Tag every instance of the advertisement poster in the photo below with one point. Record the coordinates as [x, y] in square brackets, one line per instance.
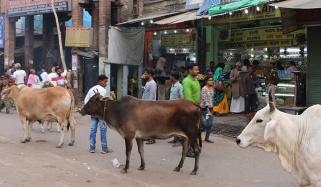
[1, 32]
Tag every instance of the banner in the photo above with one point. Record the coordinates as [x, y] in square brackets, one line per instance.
[178, 40]
[79, 37]
[263, 34]
[32, 7]
[266, 37]
[1, 31]
[193, 4]
[266, 12]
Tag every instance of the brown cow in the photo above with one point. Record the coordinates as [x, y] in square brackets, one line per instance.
[134, 118]
[47, 104]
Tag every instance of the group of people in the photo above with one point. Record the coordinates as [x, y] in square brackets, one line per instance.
[15, 75]
[20, 77]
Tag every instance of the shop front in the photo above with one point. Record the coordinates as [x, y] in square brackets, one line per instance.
[169, 48]
[256, 34]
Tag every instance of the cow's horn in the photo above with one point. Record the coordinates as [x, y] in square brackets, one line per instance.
[271, 102]
[272, 106]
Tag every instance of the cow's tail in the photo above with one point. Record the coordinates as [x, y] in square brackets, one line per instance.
[71, 118]
[201, 123]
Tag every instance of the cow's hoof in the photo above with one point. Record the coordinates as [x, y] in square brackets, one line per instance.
[194, 173]
[141, 168]
[59, 146]
[28, 139]
[123, 171]
[178, 169]
[71, 143]
[24, 141]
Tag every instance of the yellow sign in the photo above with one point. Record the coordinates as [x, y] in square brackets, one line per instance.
[177, 40]
[258, 44]
[262, 34]
[267, 37]
[266, 12]
[79, 37]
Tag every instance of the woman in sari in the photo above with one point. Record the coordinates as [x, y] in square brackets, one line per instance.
[220, 102]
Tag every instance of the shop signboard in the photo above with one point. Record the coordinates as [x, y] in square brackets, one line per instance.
[177, 40]
[79, 37]
[1, 31]
[193, 4]
[32, 7]
[266, 37]
[263, 34]
[258, 44]
[266, 12]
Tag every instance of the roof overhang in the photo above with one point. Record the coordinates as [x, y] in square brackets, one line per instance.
[299, 4]
[180, 18]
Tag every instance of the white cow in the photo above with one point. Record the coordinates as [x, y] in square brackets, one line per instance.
[296, 140]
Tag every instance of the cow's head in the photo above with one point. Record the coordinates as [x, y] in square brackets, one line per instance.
[9, 92]
[96, 106]
[254, 133]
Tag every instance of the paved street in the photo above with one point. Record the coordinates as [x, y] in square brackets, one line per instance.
[39, 163]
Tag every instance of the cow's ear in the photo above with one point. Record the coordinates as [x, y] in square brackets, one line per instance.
[269, 130]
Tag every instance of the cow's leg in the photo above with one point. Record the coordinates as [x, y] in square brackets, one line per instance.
[72, 134]
[184, 152]
[140, 145]
[42, 127]
[62, 135]
[25, 130]
[29, 130]
[129, 146]
[197, 151]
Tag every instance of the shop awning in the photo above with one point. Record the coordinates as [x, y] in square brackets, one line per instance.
[299, 4]
[180, 18]
[230, 7]
[140, 19]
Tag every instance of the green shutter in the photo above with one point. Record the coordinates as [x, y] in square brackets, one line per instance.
[314, 66]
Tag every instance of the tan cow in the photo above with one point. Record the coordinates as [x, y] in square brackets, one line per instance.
[47, 104]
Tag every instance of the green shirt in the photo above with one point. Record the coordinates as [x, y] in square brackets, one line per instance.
[192, 89]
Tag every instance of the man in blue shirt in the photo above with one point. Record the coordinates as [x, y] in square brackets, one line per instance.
[176, 93]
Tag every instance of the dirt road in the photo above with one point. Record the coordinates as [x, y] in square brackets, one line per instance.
[40, 163]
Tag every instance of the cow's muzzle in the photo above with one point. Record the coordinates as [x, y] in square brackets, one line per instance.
[238, 141]
[82, 112]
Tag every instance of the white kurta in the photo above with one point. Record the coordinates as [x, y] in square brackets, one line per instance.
[238, 105]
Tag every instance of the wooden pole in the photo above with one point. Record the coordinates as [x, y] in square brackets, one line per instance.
[62, 55]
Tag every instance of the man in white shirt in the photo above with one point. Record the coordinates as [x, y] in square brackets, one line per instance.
[53, 74]
[150, 90]
[19, 75]
[101, 88]
[44, 76]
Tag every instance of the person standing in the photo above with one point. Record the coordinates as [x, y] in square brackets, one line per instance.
[53, 74]
[176, 93]
[95, 122]
[191, 86]
[220, 101]
[44, 76]
[19, 75]
[272, 80]
[292, 69]
[192, 91]
[252, 102]
[206, 104]
[33, 78]
[238, 100]
[150, 90]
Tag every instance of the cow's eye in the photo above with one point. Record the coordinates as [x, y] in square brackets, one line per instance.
[259, 121]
